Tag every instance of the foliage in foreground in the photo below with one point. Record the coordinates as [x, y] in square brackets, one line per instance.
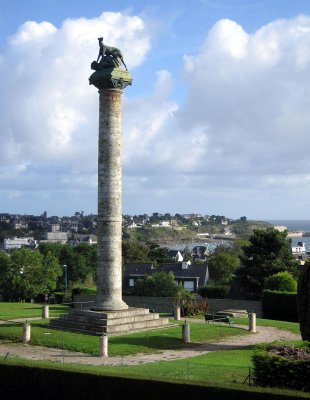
[274, 370]
[279, 305]
[267, 253]
[303, 302]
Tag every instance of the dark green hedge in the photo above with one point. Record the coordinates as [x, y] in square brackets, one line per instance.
[214, 292]
[49, 384]
[279, 305]
[272, 370]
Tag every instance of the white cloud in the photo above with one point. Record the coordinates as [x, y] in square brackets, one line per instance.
[48, 110]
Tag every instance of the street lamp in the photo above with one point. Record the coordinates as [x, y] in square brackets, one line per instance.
[66, 277]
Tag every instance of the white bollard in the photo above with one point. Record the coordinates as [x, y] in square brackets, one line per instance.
[45, 312]
[177, 313]
[26, 332]
[103, 349]
[186, 333]
[252, 322]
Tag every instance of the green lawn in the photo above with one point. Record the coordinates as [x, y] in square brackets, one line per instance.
[223, 368]
[142, 342]
[198, 370]
[28, 310]
[284, 325]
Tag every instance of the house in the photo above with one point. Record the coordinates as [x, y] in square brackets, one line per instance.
[176, 255]
[300, 248]
[18, 243]
[191, 276]
[199, 252]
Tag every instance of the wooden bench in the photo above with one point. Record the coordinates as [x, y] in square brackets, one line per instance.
[219, 318]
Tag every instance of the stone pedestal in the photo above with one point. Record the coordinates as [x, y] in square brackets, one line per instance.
[177, 313]
[186, 333]
[103, 347]
[45, 312]
[26, 333]
[252, 322]
[109, 322]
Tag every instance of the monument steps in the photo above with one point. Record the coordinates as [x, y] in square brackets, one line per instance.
[110, 323]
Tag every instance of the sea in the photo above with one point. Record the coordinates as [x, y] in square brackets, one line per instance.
[292, 226]
[297, 225]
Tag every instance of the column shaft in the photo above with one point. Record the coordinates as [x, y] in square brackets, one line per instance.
[109, 253]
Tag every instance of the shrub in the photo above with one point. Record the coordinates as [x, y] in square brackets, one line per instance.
[303, 302]
[282, 281]
[214, 292]
[83, 290]
[274, 370]
[158, 284]
[279, 305]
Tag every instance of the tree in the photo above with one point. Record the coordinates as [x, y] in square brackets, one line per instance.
[268, 252]
[303, 302]
[27, 274]
[222, 265]
[134, 252]
[158, 284]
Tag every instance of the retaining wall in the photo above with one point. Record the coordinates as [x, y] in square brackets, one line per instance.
[166, 304]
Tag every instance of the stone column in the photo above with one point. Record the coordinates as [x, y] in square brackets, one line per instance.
[109, 253]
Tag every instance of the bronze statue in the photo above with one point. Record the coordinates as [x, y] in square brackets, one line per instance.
[107, 72]
[109, 56]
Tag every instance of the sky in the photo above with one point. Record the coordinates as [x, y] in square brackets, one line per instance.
[217, 120]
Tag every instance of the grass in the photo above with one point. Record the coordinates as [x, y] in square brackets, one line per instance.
[174, 371]
[225, 368]
[283, 325]
[10, 311]
[142, 342]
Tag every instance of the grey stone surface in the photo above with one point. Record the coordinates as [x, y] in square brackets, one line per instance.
[166, 304]
[110, 322]
[109, 253]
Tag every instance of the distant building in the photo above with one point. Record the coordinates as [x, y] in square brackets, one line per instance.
[55, 237]
[54, 228]
[18, 243]
[300, 248]
[190, 276]
[280, 228]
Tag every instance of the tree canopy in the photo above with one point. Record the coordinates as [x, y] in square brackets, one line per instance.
[223, 263]
[26, 274]
[267, 253]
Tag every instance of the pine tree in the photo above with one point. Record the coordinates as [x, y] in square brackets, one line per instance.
[303, 302]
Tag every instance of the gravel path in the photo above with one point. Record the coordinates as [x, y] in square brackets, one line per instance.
[263, 335]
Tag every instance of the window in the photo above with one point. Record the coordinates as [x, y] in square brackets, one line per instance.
[131, 282]
[189, 285]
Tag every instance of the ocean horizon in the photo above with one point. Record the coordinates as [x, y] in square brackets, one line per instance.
[292, 224]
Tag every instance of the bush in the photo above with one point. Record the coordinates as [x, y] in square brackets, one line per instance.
[83, 290]
[282, 281]
[214, 292]
[159, 284]
[303, 302]
[273, 370]
[279, 305]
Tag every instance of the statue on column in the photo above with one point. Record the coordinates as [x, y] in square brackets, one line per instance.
[108, 73]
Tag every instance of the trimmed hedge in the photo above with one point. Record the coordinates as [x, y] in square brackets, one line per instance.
[282, 281]
[279, 305]
[275, 371]
[49, 384]
[214, 292]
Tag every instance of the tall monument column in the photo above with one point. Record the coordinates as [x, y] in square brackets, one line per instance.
[109, 253]
[110, 315]
[110, 80]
